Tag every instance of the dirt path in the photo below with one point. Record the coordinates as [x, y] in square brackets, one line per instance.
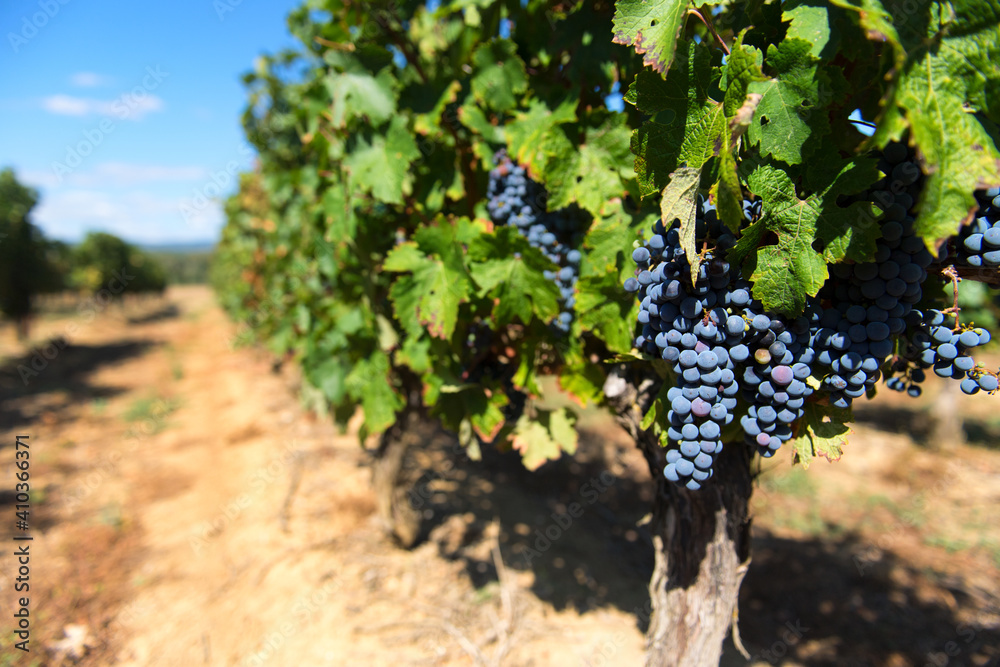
[188, 510]
[195, 514]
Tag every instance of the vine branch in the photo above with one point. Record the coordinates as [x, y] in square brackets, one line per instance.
[711, 28]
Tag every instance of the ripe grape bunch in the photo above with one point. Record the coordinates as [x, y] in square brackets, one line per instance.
[979, 243]
[724, 347]
[517, 200]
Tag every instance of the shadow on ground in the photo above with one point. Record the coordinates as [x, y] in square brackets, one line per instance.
[572, 521]
[58, 368]
[167, 312]
[838, 602]
[919, 425]
[846, 603]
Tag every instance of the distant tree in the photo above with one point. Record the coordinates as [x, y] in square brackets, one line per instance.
[150, 276]
[25, 269]
[57, 266]
[104, 263]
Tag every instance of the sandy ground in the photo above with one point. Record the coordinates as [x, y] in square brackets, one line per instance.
[188, 509]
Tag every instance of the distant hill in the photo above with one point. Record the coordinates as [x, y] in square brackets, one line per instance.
[185, 263]
[182, 248]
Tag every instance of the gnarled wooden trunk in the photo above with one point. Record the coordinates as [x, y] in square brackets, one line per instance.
[399, 517]
[702, 540]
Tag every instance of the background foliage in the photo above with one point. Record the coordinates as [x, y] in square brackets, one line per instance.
[362, 248]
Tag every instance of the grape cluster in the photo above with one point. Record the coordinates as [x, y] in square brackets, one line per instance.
[515, 199]
[929, 344]
[718, 339]
[724, 347]
[978, 244]
[869, 301]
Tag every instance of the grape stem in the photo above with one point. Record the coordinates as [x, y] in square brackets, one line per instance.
[711, 28]
[952, 274]
[986, 275]
[338, 46]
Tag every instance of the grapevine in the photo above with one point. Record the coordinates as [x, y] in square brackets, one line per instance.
[436, 227]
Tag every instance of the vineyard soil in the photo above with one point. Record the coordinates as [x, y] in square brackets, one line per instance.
[190, 510]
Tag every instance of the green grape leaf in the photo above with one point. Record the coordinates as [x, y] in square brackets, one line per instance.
[879, 23]
[437, 284]
[532, 131]
[369, 383]
[381, 165]
[517, 283]
[787, 272]
[355, 94]
[582, 380]
[430, 122]
[480, 406]
[651, 27]
[595, 171]
[329, 375]
[742, 69]
[938, 91]
[500, 76]
[388, 339]
[810, 23]
[415, 353]
[728, 193]
[602, 305]
[340, 218]
[945, 87]
[822, 432]
[656, 414]
[545, 437]
[687, 125]
[791, 117]
[473, 117]
[679, 202]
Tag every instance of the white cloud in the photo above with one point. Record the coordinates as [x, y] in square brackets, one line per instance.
[114, 175]
[138, 217]
[125, 107]
[64, 105]
[89, 80]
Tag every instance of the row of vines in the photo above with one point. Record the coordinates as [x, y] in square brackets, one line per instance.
[457, 200]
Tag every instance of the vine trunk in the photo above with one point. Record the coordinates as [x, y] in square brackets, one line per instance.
[701, 538]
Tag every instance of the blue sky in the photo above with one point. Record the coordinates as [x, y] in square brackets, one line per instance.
[125, 115]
